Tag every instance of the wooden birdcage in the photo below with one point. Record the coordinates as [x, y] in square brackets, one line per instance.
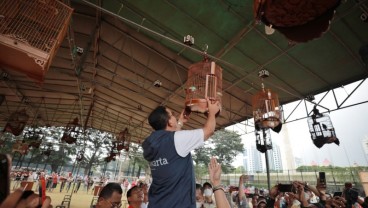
[72, 132]
[123, 140]
[204, 81]
[30, 33]
[20, 147]
[266, 109]
[16, 123]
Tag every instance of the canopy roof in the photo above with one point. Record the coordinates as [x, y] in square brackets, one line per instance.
[110, 86]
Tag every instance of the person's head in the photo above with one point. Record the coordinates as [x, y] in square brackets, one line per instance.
[207, 189]
[135, 195]
[261, 202]
[162, 117]
[199, 192]
[110, 196]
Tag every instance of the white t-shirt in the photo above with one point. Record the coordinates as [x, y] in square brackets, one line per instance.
[188, 140]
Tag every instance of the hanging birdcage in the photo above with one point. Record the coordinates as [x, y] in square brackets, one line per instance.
[204, 81]
[123, 140]
[33, 136]
[30, 33]
[266, 110]
[112, 156]
[321, 129]
[20, 147]
[16, 122]
[72, 132]
[80, 156]
[46, 150]
[264, 142]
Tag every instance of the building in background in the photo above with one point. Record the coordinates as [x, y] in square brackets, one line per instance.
[252, 159]
[274, 158]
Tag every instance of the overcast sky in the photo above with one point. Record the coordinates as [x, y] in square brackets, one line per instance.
[351, 126]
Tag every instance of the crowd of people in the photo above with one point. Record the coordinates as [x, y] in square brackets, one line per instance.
[67, 181]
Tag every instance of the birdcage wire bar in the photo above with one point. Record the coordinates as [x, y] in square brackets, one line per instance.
[204, 81]
[36, 23]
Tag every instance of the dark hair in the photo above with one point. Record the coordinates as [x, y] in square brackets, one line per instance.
[158, 118]
[109, 189]
[129, 192]
[207, 184]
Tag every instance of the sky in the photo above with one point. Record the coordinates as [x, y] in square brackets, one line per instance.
[351, 127]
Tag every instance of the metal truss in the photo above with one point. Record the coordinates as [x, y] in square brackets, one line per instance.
[310, 102]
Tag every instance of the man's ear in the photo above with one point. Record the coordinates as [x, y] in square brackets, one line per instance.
[170, 123]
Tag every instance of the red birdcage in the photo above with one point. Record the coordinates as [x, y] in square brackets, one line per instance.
[204, 81]
[266, 109]
[123, 140]
[21, 147]
[16, 123]
[30, 33]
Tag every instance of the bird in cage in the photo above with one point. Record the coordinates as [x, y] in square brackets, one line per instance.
[204, 81]
[266, 110]
[321, 129]
[263, 143]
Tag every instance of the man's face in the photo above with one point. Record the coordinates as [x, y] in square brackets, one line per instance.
[172, 119]
[113, 202]
[136, 196]
[262, 205]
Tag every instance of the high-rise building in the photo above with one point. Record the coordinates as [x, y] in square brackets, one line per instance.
[252, 159]
[274, 158]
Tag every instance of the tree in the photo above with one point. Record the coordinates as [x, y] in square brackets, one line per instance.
[225, 145]
[136, 155]
[98, 144]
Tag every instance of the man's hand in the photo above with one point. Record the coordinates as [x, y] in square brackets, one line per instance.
[183, 118]
[213, 107]
[214, 170]
[15, 199]
[274, 192]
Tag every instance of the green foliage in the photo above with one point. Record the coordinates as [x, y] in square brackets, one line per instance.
[136, 156]
[224, 145]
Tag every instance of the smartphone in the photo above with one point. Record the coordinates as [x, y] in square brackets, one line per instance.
[250, 195]
[5, 164]
[322, 179]
[337, 193]
[285, 187]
